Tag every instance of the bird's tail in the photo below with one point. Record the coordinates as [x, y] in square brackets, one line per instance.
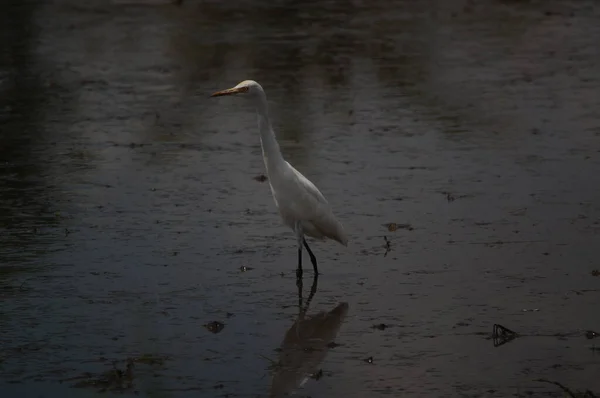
[341, 235]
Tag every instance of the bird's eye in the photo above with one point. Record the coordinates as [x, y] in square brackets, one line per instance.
[244, 89]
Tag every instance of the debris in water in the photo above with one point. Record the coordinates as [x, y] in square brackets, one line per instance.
[317, 375]
[567, 391]
[368, 360]
[261, 178]
[500, 330]
[460, 324]
[149, 359]
[215, 326]
[381, 326]
[392, 226]
[114, 379]
[387, 246]
[502, 335]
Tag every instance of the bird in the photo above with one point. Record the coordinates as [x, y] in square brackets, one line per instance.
[301, 206]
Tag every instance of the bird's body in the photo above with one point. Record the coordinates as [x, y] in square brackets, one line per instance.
[299, 200]
[301, 205]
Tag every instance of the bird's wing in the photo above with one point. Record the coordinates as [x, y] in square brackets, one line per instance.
[308, 186]
[298, 199]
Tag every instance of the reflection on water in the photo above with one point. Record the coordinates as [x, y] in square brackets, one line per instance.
[305, 345]
[26, 207]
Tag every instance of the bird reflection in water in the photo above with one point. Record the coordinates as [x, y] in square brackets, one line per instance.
[305, 345]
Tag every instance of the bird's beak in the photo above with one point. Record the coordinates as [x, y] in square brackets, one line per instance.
[230, 91]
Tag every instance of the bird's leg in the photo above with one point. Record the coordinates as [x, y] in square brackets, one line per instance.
[300, 237]
[313, 291]
[313, 259]
[299, 269]
[299, 285]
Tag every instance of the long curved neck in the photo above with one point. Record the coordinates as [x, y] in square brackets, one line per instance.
[270, 147]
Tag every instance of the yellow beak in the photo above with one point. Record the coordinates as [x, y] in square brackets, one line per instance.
[230, 91]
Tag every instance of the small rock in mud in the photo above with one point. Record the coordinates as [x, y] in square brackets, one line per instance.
[214, 326]
[392, 226]
[261, 178]
[380, 326]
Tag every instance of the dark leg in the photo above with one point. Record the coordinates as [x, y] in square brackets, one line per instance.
[313, 291]
[299, 270]
[313, 259]
[299, 285]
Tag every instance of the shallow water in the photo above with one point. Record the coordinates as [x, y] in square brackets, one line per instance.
[128, 204]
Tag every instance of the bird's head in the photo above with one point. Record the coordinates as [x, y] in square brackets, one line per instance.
[249, 88]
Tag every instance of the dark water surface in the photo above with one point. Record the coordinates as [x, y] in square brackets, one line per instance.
[128, 204]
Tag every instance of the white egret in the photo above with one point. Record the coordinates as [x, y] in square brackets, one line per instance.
[301, 205]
